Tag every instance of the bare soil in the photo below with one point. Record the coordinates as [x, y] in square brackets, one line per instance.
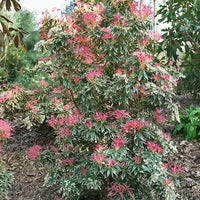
[28, 181]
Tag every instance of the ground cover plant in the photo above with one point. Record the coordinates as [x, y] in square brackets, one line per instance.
[104, 105]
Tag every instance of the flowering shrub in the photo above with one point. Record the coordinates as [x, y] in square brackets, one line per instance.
[5, 176]
[106, 104]
[12, 99]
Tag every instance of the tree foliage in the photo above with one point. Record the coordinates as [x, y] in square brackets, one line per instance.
[17, 59]
[182, 37]
[183, 17]
[26, 19]
[8, 32]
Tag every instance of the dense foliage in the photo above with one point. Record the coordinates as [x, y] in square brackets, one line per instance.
[104, 105]
[181, 39]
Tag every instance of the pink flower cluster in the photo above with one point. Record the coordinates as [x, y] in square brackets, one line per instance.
[85, 7]
[64, 132]
[89, 124]
[120, 71]
[108, 36]
[99, 158]
[57, 90]
[154, 35]
[5, 130]
[99, 8]
[154, 147]
[157, 115]
[5, 85]
[91, 19]
[45, 58]
[83, 40]
[120, 189]
[34, 151]
[143, 57]
[76, 79]
[11, 94]
[157, 76]
[171, 62]
[137, 159]
[31, 104]
[107, 30]
[99, 116]
[166, 77]
[167, 181]
[44, 83]
[140, 13]
[118, 142]
[141, 90]
[70, 161]
[167, 136]
[119, 114]
[176, 169]
[134, 8]
[85, 53]
[133, 126]
[84, 170]
[56, 102]
[92, 76]
[99, 148]
[68, 106]
[145, 41]
[68, 120]
[56, 123]
[119, 20]
[111, 162]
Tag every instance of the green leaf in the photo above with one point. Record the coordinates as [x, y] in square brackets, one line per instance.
[183, 28]
[191, 133]
[140, 76]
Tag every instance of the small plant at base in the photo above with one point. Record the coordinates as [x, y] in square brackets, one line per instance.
[190, 123]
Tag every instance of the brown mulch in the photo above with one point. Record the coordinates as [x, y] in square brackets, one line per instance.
[28, 181]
